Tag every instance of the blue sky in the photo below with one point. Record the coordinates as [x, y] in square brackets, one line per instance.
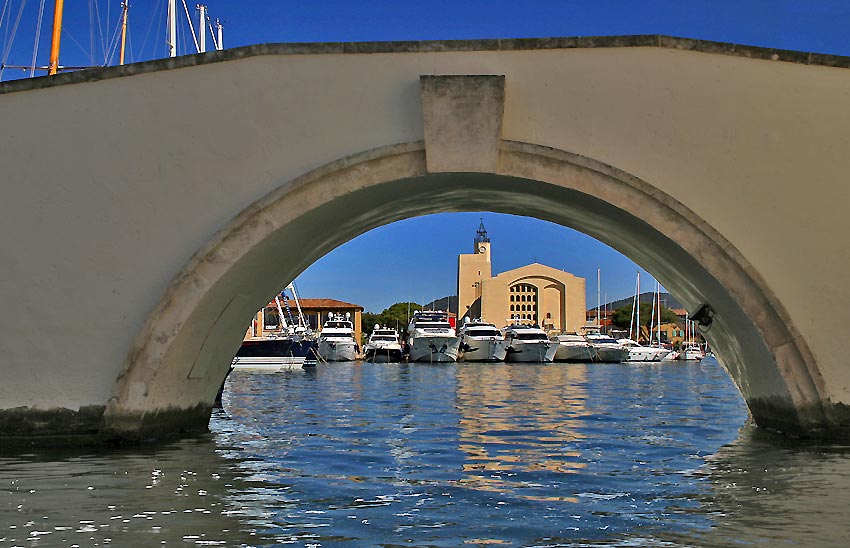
[819, 26]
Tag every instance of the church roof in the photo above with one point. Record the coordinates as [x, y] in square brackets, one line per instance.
[536, 269]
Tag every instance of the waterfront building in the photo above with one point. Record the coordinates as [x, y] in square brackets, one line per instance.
[315, 312]
[535, 293]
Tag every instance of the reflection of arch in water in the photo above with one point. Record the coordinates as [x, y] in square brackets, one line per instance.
[765, 491]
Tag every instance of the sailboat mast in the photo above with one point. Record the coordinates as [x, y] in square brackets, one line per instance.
[658, 291]
[172, 28]
[124, 7]
[53, 67]
[634, 306]
[220, 43]
[202, 29]
[637, 314]
[598, 278]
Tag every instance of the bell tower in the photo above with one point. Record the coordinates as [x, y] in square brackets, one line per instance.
[473, 273]
[482, 242]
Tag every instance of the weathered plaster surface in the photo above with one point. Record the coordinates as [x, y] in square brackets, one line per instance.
[462, 116]
[706, 169]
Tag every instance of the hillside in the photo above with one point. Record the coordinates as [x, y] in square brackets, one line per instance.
[445, 303]
[667, 300]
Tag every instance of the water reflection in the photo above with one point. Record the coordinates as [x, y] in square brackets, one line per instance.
[175, 495]
[510, 427]
[447, 455]
[766, 489]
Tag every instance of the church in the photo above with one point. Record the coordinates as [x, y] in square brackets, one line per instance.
[531, 294]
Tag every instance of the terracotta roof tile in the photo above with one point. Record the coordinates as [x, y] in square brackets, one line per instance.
[322, 304]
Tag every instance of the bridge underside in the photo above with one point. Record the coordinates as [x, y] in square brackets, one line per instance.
[141, 371]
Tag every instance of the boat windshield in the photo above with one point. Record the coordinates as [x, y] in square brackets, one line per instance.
[484, 333]
[343, 325]
[529, 336]
[441, 325]
[383, 338]
[326, 335]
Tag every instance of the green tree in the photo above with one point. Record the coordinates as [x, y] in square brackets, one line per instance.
[395, 317]
[622, 317]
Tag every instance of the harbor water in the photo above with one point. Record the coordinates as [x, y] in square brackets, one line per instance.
[360, 454]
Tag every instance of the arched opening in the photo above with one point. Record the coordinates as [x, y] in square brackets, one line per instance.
[180, 358]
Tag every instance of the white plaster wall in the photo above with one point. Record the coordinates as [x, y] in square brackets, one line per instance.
[108, 188]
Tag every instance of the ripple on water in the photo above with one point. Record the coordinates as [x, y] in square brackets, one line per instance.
[449, 455]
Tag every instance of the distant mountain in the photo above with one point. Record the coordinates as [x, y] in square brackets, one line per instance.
[667, 300]
[446, 303]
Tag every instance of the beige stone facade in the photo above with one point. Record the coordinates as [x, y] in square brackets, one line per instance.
[534, 293]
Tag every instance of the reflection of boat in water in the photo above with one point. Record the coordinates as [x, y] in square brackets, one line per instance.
[481, 342]
[572, 348]
[529, 343]
[383, 346]
[336, 340]
[291, 344]
[431, 338]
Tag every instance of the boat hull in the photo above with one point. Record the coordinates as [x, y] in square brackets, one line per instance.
[434, 349]
[573, 353]
[268, 353]
[483, 350]
[383, 354]
[532, 352]
[647, 354]
[605, 354]
[338, 351]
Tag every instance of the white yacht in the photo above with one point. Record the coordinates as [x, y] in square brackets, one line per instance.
[691, 351]
[572, 348]
[606, 349]
[641, 353]
[529, 343]
[383, 346]
[481, 342]
[431, 338]
[336, 340]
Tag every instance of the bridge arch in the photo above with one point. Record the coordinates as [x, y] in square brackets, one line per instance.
[180, 357]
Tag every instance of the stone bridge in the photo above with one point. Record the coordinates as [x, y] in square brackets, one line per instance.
[149, 210]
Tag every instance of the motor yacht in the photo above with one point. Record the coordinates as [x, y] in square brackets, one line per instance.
[691, 352]
[383, 346]
[606, 349]
[481, 342]
[292, 344]
[431, 338]
[572, 348]
[528, 343]
[641, 353]
[336, 339]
